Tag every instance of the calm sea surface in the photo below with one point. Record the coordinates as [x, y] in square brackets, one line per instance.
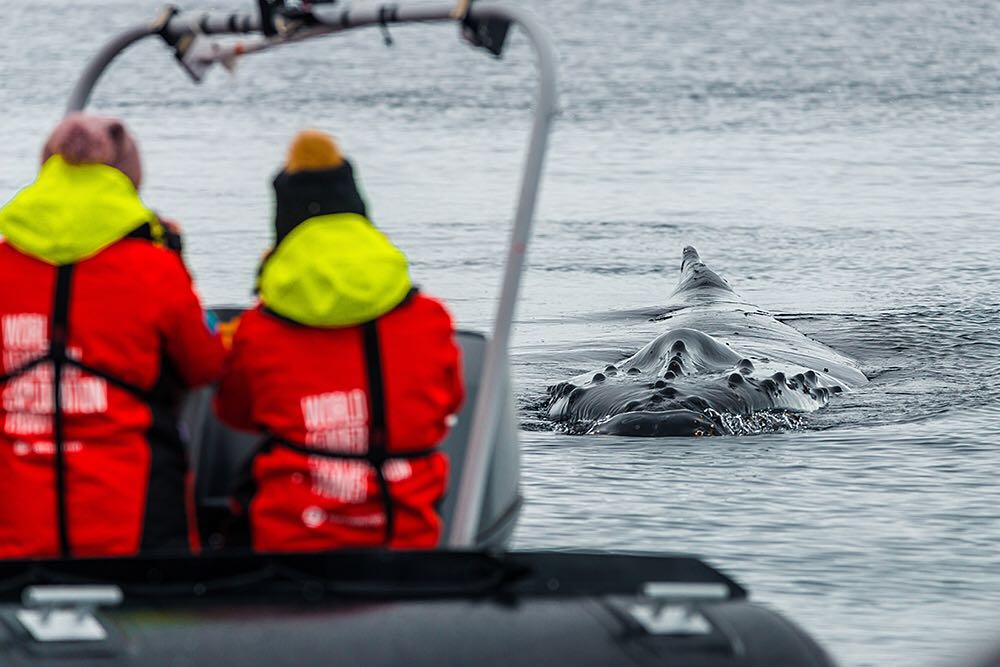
[838, 162]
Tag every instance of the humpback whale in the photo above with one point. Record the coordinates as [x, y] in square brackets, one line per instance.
[723, 367]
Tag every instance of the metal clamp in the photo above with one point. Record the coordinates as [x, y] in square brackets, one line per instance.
[66, 613]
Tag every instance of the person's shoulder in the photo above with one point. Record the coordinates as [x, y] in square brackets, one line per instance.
[252, 318]
[261, 337]
[429, 310]
[9, 254]
[149, 258]
[255, 324]
[428, 303]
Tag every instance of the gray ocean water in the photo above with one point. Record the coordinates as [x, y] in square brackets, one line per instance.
[838, 162]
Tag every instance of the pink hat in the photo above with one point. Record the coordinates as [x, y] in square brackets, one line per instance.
[83, 138]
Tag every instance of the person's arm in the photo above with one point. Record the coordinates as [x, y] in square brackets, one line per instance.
[453, 370]
[450, 358]
[193, 348]
[233, 400]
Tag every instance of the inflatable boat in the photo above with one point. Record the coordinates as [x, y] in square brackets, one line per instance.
[469, 602]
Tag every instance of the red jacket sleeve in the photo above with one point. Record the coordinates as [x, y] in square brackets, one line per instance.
[451, 360]
[454, 374]
[233, 400]
[195, 350]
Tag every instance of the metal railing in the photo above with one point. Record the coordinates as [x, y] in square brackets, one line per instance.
[188, 35]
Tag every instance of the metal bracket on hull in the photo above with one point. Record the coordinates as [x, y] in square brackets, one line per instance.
[66, 613]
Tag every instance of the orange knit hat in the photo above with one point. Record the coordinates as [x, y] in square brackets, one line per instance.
[312, 150]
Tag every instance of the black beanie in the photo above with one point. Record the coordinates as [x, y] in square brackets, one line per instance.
[306, 194]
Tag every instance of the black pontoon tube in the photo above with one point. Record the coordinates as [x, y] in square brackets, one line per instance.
[174, 27]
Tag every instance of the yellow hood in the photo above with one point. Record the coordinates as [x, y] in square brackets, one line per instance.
[72, 212]
[334, 271]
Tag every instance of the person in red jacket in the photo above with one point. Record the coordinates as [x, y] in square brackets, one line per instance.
[100, 331]
[349, 371]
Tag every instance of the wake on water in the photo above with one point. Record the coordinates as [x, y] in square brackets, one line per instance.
[754, 423]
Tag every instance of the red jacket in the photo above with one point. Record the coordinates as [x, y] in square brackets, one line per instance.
[132, 314]
[310, 386]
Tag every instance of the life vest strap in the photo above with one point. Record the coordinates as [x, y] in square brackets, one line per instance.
[377, 431]
[137, 391]
[306, 450]
[58, 339]
[26, 368]
[143, 394]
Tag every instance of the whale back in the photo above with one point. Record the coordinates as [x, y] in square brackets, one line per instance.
[723, 366]
[698, 280]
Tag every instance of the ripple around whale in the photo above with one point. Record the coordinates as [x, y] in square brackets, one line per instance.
[725, 367]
